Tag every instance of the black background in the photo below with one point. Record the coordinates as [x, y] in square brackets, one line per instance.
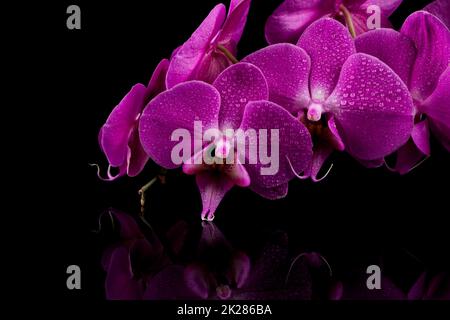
[353, 217]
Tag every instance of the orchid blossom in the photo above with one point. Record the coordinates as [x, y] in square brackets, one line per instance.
[238, 101]
[347, 100]
[292, 17]
[119, 137]
[421, 58]
[212, 47]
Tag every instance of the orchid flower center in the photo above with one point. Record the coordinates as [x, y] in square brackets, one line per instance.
[223, 148]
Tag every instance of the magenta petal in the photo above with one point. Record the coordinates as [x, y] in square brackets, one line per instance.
[408, 156]
[274, 193]
[432, 40]
[189, 56]
[417, 291]
[240, 268]
[129, 229]
[372, 108]
[157, 81]
[291, 18]
[440, 9]
[119, 283]
[372, 163]
[421, 136]
[137, 155]
[212, 65]
[320, 155]
[360, 21]
[286, 68]
[168, 284]
[294, 143]
[116, 131]
[212, 190]
[177, 108]
[197, 281]
[376, 42]
[238, 85]
[437, 108]
[329, 44]
[234, 24]
[336, 139]
[360, 15]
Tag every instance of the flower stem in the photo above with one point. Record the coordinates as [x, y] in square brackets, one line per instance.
[348, 20]
[142, 193]
[227, 53]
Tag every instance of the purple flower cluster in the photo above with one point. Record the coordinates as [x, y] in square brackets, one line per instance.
[381, 93]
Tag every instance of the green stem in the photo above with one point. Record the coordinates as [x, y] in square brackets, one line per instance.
[142, 193]
[348, 20]
[228, 54]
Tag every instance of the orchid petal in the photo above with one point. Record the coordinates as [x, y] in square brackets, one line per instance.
[177, 108]
[291, 18]
[329, 44]
[432, 40]
[113, 136]
[437, 108]
[234, 25]
[274, 193]
[286, 68]
[372, 108]
[320, 155]
[157, 83]
[212, 190]
[189, 56]
[421, 136]
[360, 14]
[440, 9]
[408, 157]
[238, 85]
[294, 142]
[400, 60]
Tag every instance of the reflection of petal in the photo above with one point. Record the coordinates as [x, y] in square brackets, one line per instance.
[119, 284]
[168, 284]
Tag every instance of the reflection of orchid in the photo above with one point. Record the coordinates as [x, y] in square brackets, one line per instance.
[134, 265]
[421, 58]
[236, 100]
[346, 99]
[222, 272]
[426, 287]
[292, 17]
